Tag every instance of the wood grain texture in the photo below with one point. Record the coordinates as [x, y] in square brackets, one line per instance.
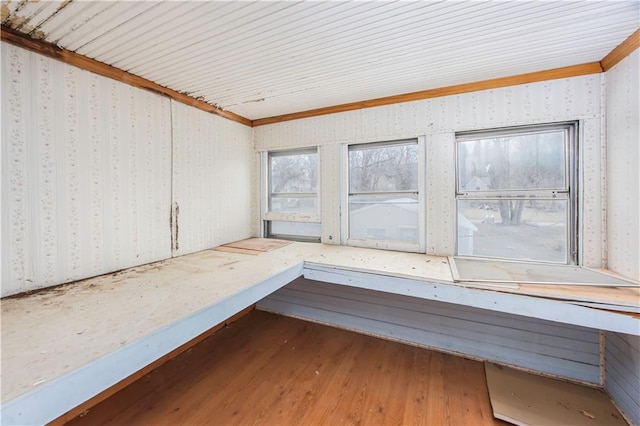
[623, 50]
[258, 244]
[268, 369]
[83, 62]
[564, 72]
[145, 371]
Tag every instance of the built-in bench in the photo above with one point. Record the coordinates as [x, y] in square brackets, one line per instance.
[65, 345]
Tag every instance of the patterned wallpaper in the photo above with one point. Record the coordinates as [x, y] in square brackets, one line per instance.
[214, 182]
[578, 98]
[91, 168]
[623, 171]
[85, 173]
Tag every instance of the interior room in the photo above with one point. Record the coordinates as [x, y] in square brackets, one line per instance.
[320, 212]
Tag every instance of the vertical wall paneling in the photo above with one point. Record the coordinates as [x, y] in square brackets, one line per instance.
[440, 172]
[590, 229]
[330, 163]
[622, 374]
[577, 98]
[545, 346]
[213, 165]
[623, 173]
[86, 173]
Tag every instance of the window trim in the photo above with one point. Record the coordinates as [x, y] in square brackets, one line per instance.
[570, 192]
[420, 246]
[266, 194]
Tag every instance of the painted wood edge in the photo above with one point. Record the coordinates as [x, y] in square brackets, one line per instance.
[61, 395]
[78, 410]
[52, 51]
[621, 51]
[495, 83]
[528, 306]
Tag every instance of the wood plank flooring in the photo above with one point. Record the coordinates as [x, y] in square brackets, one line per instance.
[273, 370]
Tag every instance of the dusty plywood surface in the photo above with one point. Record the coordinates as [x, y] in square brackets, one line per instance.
[48, 334]
[528, 399]
[486, 270]
[238, 250]
[409, 265]
[258, 244]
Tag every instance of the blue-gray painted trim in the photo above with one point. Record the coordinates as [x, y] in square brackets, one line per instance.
[571, 352]
[534, 307]
[53, 399]
[622, 373]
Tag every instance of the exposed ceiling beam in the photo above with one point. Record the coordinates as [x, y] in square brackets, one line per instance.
[81, 61]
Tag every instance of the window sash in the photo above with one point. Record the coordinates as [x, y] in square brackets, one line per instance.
[568, 193]
[351, 197]
[268, 194]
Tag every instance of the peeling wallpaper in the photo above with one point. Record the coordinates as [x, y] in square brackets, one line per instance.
[623, 166]
[577, 98]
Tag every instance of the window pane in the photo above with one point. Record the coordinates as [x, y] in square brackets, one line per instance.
[303, 205]
[383, 168]
[391, 218]
[294, 173]
[513, 229]
[296, 228]
[525, 162]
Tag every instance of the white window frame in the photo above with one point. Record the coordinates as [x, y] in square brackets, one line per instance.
[268, 216]
[420, 246]
[570, 193]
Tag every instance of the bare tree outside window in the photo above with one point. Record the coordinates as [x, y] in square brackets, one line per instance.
[292, 205]
[519, 180]
[383, 191]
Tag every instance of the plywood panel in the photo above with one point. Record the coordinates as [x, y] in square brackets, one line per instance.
[86, 173]
[529, 400]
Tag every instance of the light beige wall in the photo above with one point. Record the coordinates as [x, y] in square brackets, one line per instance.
[577, 98]
[92, 166]
[623, 166]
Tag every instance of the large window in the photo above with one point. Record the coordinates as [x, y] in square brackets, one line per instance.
[516, 193]
[292, 208]
[385, 207]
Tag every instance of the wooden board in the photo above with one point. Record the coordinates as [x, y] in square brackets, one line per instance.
[238, 250]
[258, 244]
[528, 399]
[497, 271]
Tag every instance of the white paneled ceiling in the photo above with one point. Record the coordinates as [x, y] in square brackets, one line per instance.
[261, 59]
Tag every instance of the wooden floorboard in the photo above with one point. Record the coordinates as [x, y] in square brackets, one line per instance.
[272, 370]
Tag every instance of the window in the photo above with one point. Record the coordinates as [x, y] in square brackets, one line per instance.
[384, 197]
[516, 193]
[292, 208]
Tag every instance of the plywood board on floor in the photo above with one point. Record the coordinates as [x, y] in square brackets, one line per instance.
[528, 399]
